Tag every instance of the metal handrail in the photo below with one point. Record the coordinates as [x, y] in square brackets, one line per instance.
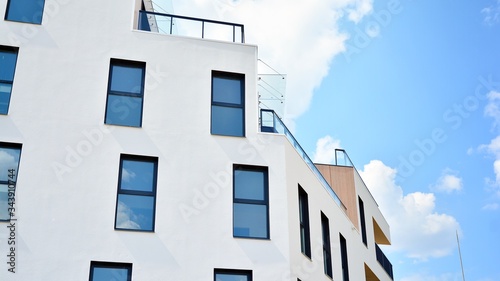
[203, 21]
[347, 159]
[348, 163]
[278, 127]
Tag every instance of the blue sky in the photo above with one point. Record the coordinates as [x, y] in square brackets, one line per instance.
[411, 89]
[414, 97]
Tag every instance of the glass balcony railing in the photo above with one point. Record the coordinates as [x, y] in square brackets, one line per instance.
[342, 159]
[384, 261]
[271, 123]
[191, 27]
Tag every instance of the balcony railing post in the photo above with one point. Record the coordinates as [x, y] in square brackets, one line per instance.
[171, 24]
[202, 29]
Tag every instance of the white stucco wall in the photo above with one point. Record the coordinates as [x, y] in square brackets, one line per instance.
[67, 185]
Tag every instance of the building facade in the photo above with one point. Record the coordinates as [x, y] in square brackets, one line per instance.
[130, 154]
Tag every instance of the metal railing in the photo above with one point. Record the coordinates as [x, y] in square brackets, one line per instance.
[384, 261]
[271, 123]
[191, 27]
[342, 158]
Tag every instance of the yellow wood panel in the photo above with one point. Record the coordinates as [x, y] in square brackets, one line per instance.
[369, 275]
[341, 179]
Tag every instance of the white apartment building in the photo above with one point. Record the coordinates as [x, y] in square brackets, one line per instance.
[132, 147]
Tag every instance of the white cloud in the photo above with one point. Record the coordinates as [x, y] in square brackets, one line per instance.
[125, 217]
[325, 150]
[425, 277]
[493, 148]
[448, 182]
[492, 109]
[491, 207]
[416, 228]
[361, 9]
[127, 175]
[299, 39]
[492, 13]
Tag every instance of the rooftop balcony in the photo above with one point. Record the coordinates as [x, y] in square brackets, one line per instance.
[271, 123]
[190, 27]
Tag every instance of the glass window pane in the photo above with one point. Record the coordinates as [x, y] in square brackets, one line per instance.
[126, 79]
[227, 90]
[249, 185]
[227, 121]
[29, 11]
[144, 21]
[124, 110]
[109, 273]
[9, 160]
[231, 277]
[5, 90]
[302, 240]
[135, 212]
[8, 65]
[250, 220]
[137, 175]
[4, 195]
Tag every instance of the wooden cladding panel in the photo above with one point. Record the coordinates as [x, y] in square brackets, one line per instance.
[341, 179]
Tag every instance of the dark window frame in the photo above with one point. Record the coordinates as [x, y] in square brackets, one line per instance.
[131, 64]
[241, 272]
[232, 76]
[327, 250]
[7, 10]
[148, 159]
[305, 234]
[115, 265]
[264, 202]
[13, 50]
[344, 259]
[362, 221]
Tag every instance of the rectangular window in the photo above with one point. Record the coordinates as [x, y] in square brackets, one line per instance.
[106, 271]
[232, 275]
[29, 11]
[327, 252]
[8, 59]
[250, 202]
[9, 164]
[228, 104]
[305, 239]
[362, 220]
[345, 263]
[125, 93]
[135, 206]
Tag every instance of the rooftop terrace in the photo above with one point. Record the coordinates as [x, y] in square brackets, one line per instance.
[190, 27]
